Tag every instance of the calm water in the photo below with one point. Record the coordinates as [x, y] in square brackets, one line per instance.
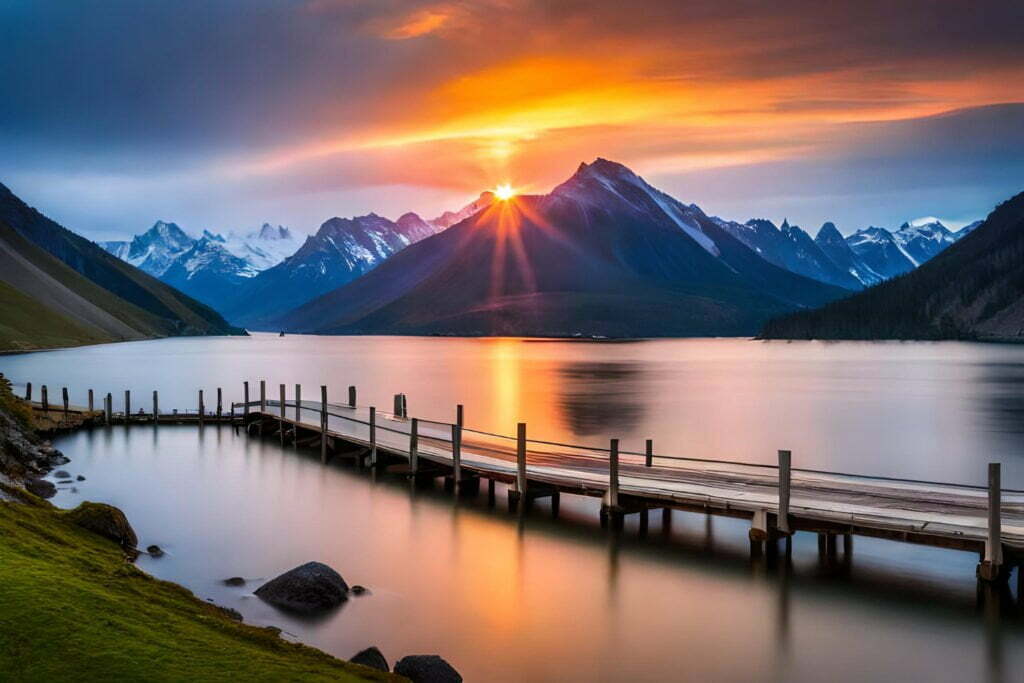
[533, 598]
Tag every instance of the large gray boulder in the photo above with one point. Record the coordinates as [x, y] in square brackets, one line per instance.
[427, 669]
[41, 488]
[105, 520]
[371, 657]
[307, 589]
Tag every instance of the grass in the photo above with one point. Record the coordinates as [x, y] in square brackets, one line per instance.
[27, 324]
[74, 609]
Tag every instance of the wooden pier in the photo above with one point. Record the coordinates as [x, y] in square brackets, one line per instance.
[778, 500]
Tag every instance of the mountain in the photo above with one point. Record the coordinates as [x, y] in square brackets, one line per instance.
[450, 218]
[59, 288]
[791, 248]
[340, 251]
[879, 251]
[974, 289]
[603, 254]
[837, 248]
[966, 230]
[923, 240]
[207, 270]
[154, 250]
[260, 249]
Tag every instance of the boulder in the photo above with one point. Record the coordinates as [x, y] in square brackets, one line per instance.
[62, 474]
[155, 551]
[427, 669]
[80, 478]
[105, 520]
[372, 658]
[41, 488]
[234, 581]
[307, 589]
[358, 590]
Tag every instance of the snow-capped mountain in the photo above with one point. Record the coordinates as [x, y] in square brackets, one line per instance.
[340, 251]
[263, 248]
[922, 240]
[207, 270]
[839, 251]
[154, 250]
[966, 230]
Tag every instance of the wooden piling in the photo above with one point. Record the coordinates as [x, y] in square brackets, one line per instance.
[263, 395]
[220, 403]
[64, 400]
[397, 410]
[457, 456]
[44, 399]
[202, 408]
[785, 479]
[990, 568]
[373, 436]
[109, 401]
[245, 397]
[405, 406]
[281, 412]
[520, 487]
[414, 442]
[298, 405]
[352, 397]
[323, 423]
[127, 406]
[28, 391]
[91, 404]
[613, 474]
[649, 453]
[459, 417]
[156, 407]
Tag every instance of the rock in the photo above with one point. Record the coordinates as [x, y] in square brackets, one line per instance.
[41, 488]
[61, 474]
[80, 478]
[234, 581]
[155, 551]
[309, 588]
[372, 658]
[105, 520]
[358, 590]
[230, 613]
[427, 669]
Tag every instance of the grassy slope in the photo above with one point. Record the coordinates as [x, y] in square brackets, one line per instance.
[74, 609]
[26, 324]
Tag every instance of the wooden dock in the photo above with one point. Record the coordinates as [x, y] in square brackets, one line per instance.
[778, 500]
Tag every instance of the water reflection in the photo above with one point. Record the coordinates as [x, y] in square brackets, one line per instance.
[601, 397]
[1002, 400]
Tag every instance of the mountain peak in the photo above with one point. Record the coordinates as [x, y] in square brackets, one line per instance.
[829, 232]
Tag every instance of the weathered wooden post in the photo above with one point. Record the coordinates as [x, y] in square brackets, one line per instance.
[245, 397]
[156, 407]
[127, 405]
[785, 477]
[202, 408]
[45, 400]
[323, 424]
[28, 391]
[459, 417]
[613, 474]
[414, 442]
[91, 404]
[64, 400]
[352, 397]
[281, 419]
[298, 406]
[109, 406]
[405, 406]
[649, 453]
[457, 456]
[220, 402]
[263, 395]
[373, 436]
[397, 410]
[519, 490]
[990, 568]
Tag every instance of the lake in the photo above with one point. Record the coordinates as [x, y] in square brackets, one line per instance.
[530, 597]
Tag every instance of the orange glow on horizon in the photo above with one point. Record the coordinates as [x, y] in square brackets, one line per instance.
[504, 192]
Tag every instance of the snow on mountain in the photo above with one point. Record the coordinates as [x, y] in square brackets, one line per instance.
[922, 239]
[154, 250]
[966, 230]
[262, 248]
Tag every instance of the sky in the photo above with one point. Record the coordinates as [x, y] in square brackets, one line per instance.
[225, 114]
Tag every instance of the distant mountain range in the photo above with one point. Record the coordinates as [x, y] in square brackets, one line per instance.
[57, 289]
[972, 290]
[603, 254]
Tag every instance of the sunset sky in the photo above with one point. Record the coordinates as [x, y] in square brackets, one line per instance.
[226, 114]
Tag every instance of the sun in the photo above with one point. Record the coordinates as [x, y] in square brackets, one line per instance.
[504, 192]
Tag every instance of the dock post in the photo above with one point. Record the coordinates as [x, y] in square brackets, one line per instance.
[323, 424]
[351, 397]
[156, 408]
[459, 417]
[220, 403]
[649, 453]
[107, 409]
[298, 407]
[263, 395]
[28, 391]
[127, 405]
[405, 406]
[373, 436]
[245, 397]
[397, 410]
[518, 492]
[44, 399]
[202, 408]
[457, 456]
[91, 404]
[414, 443]
[990, 568]
[610, 509]
[64, 399]
[281, 411]
[785, 477]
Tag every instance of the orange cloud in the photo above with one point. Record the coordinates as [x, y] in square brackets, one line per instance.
[419, 23]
